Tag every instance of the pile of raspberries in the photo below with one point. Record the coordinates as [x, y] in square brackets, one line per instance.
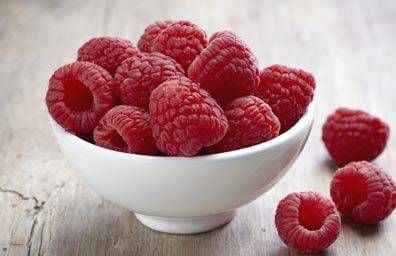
[179, 93]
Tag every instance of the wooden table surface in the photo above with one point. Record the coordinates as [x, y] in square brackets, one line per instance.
[47, 209]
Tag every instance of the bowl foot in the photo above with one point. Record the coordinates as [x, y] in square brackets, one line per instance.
[186, 225]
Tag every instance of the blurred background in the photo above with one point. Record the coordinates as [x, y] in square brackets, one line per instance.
[45, 207]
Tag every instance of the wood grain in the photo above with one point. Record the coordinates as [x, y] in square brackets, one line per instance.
[46, 209]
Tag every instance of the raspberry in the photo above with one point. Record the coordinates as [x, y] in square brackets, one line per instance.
[107, 52]
[126, 129]
[184, 118]
[182, 41]
[150, 34]
[250, 120]
[307, 221]
[227, 68]
[79, 95]
[363, 192]
[288, 91]
[353, 135]
[139, 75]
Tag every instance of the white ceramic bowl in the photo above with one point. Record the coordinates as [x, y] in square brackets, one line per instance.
[186, 195]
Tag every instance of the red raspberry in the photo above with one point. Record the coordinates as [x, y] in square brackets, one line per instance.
[185, 118]
[139, 75]
[288, 91]
[307, 221]
[79, 95]
[250, 120]
[150, 34]
[227, 68]
[107, 52]
[353, 135]
[182, 41]
[126, 129]
[363, 192]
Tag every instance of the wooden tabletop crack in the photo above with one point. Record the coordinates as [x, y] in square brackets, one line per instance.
[37, 209]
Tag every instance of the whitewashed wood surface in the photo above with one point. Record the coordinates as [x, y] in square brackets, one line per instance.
[45, 207]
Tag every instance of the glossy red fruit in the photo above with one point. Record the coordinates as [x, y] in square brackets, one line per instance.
[307, 222]
[182, 41]
[354, 135]
[78, 95]
[185, 118]
[126, 129]
[251, 121]
[363, 192]
[288, 91]
[227, 68]
[150, 34]
[137, 76]
[107, 52]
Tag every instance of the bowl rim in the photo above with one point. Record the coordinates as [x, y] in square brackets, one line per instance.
[305, 120]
